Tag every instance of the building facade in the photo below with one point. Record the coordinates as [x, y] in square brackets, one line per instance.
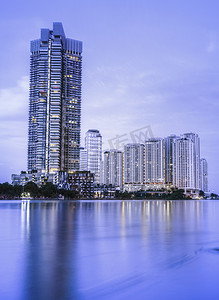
[155, 161]
[134, 163]
[54, 102]
[184, 163]
[82, 182]
[83, 159]
[169, 142]
[204, 175]
[113, 168]
[22, 178]
[93, 146]
[196, 142]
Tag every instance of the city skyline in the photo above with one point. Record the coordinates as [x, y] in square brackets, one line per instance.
[157, 163]
[166, 78]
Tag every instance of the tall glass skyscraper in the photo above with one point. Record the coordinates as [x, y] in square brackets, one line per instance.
[93, 146]
[204, 175]
[54, 102]
[113, 167]
[154, 160]
[196, 141]
[184, 163]
[134, 163]
[169, 141]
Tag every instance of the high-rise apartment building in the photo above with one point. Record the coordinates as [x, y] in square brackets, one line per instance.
[204, 175]
[134, 163]
[196, 141]
[169, 141]
[54, 102]
[184, 163]
[113, 167]
[154, 161]
[93, 146]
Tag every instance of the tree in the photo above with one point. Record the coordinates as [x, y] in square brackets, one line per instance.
[214, 196]
[17, 190]
[69, 194]
[176, 194]
[201, 193]
[49, 190]
[31, 188]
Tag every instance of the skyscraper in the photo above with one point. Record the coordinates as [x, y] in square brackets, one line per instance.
[93, 146]
[113, 167]
[54, 102]
[184, 163]
[134, 163]
[196, 141]
[169, 141]
[204, 175]
[154, 160]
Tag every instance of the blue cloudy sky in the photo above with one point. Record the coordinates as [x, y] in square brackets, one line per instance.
[144, 63]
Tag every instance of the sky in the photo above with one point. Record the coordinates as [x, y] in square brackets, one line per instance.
[146, 64]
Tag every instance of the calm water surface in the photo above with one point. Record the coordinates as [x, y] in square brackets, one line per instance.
[109, 250]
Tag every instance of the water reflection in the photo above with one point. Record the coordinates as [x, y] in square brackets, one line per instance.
[48, 233]
[108, 249]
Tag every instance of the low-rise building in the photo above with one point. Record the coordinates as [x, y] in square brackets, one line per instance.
[82, 182]
[104, 191]
[22, 178]
[135, 187]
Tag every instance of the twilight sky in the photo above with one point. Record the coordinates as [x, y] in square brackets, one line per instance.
[145, 63]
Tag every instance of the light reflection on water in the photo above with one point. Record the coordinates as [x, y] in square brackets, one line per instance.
[109, 250]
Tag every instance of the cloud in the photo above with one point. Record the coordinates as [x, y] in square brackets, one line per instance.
[14, 100]
[211, 47]
[13, 128]
[213, 42]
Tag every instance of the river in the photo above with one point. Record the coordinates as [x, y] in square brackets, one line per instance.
[109, 250]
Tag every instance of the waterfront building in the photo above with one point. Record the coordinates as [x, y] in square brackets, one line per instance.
[54, 102]
[196, 142]
[169, 141]
[134, 163]
[104, 191]
[113, 167]
[82, 182]
[184, 163]
[93, 145]
[135, 187]
[22, 178]
[204, 175]
[154, 161]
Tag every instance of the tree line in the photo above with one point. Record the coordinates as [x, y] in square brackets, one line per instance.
[47, 190]
[173, 194]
